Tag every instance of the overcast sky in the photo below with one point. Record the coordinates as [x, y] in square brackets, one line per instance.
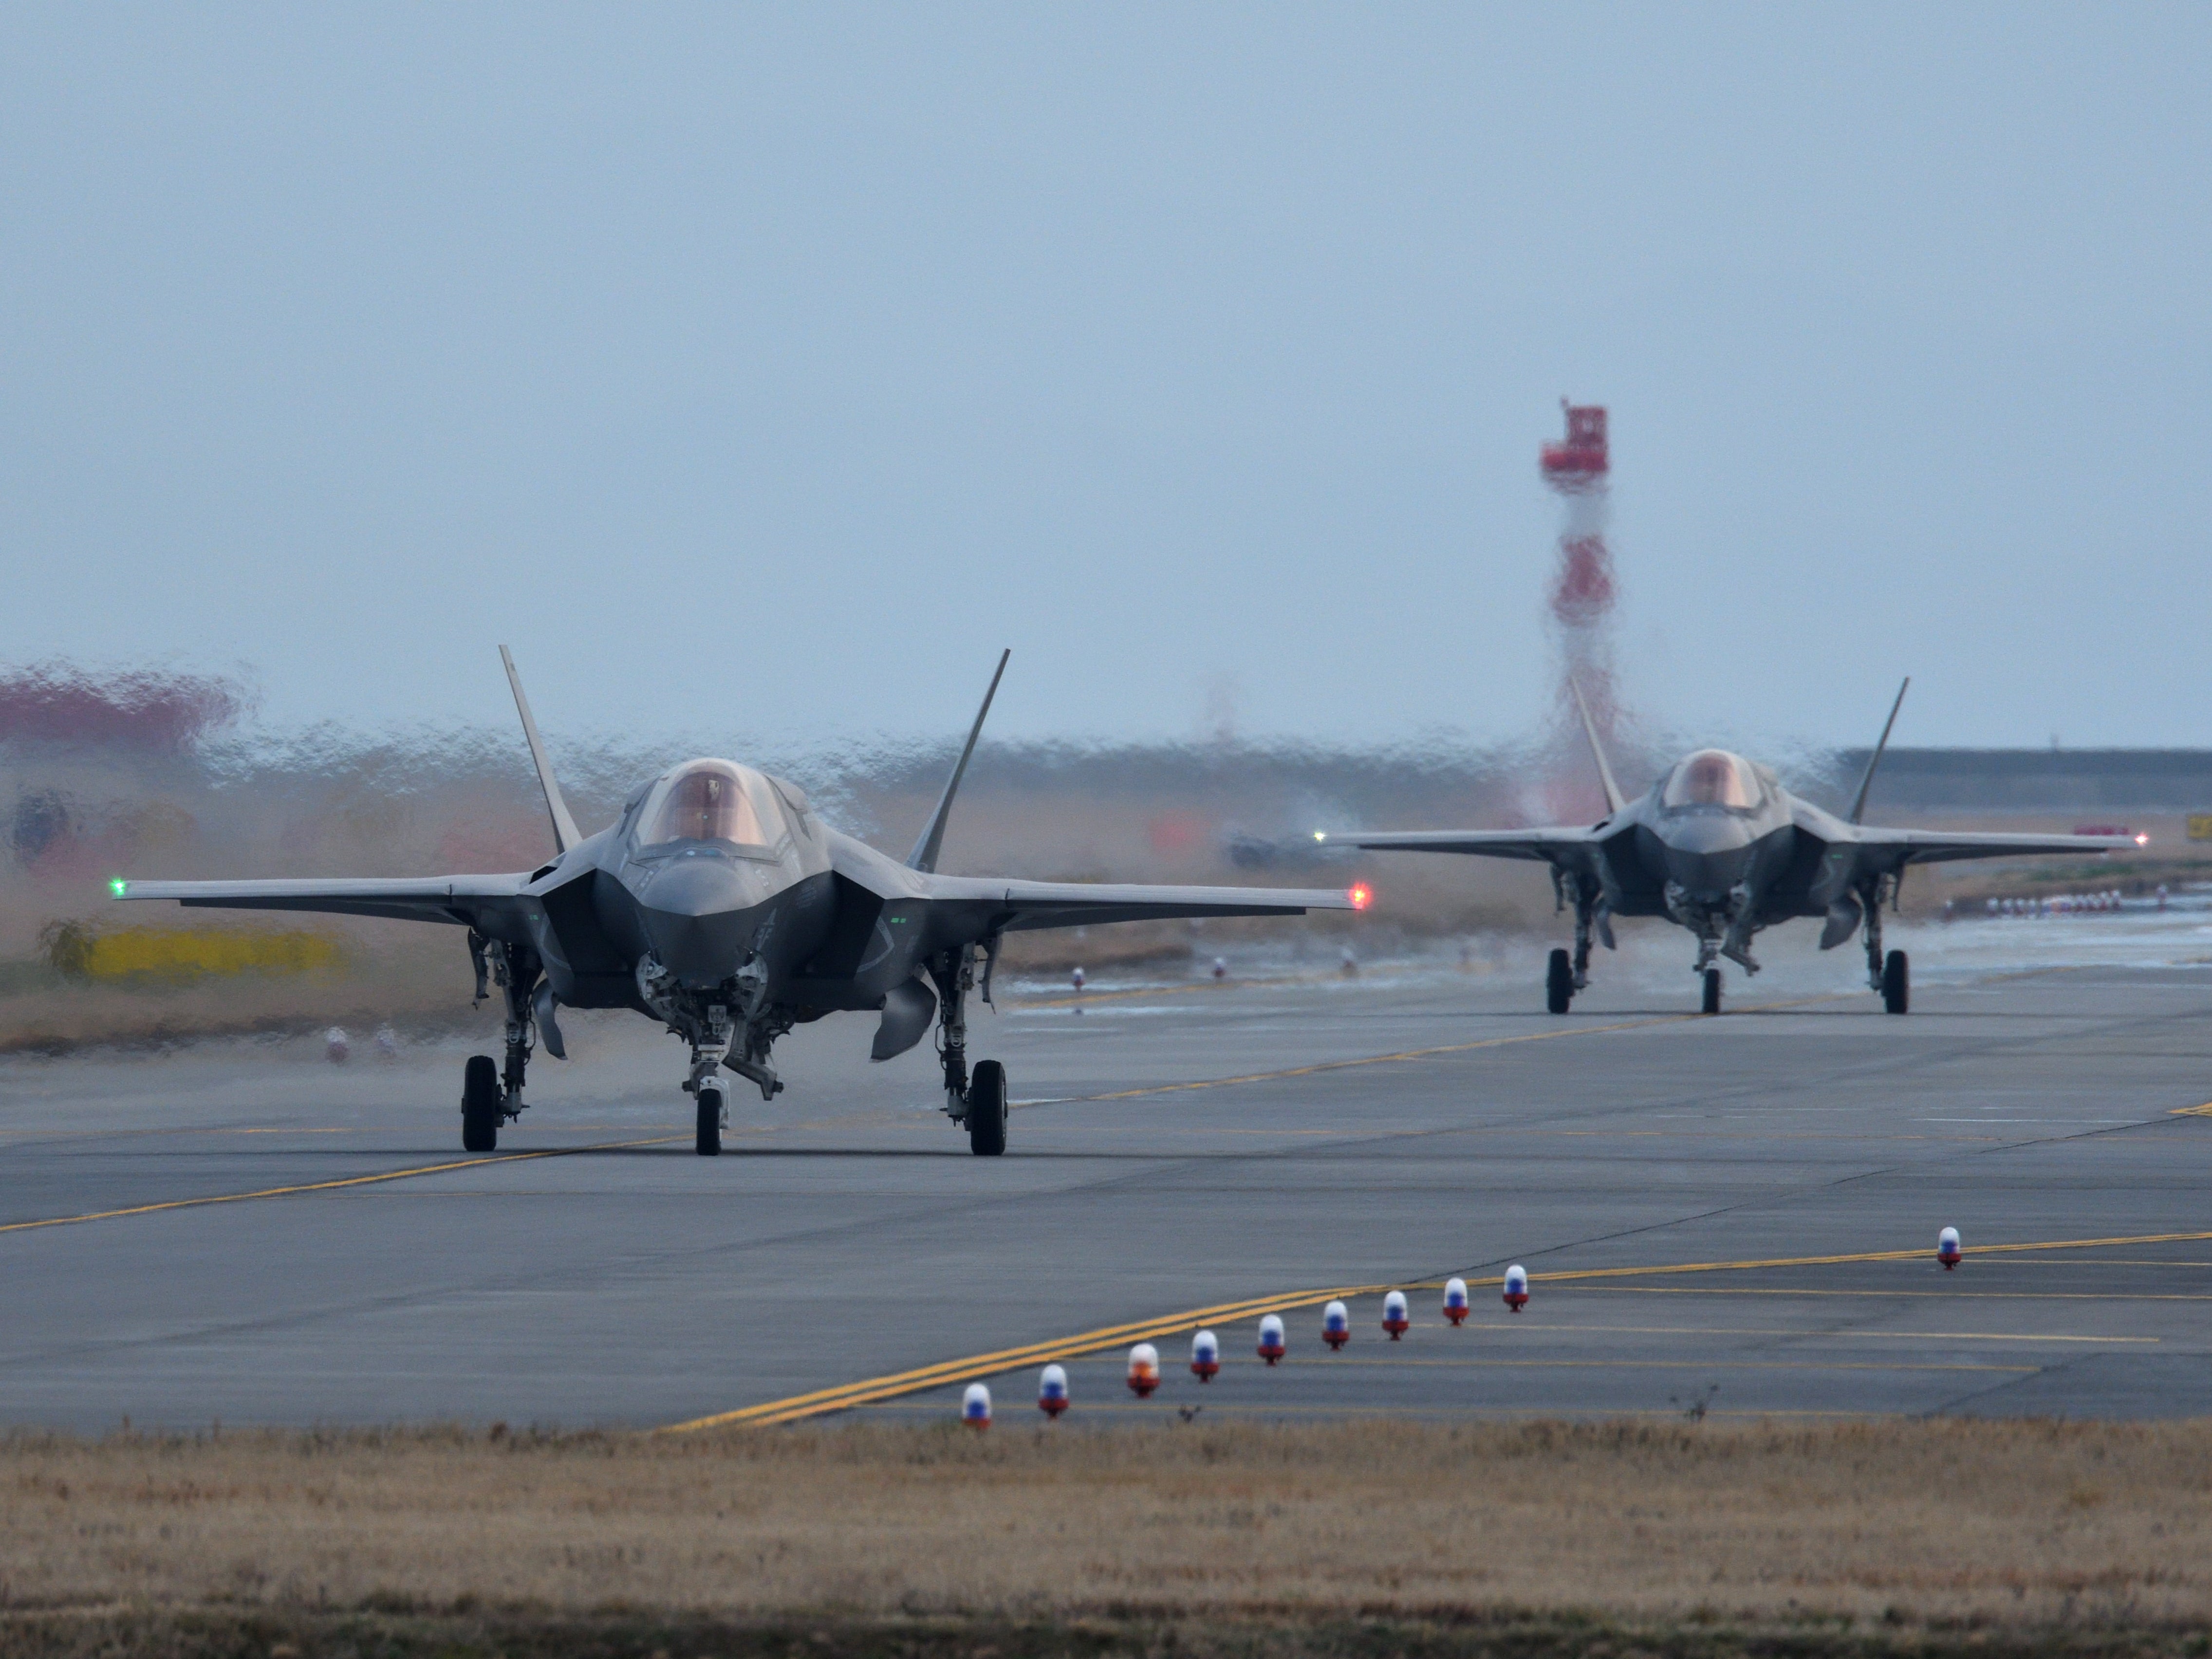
[766, 369]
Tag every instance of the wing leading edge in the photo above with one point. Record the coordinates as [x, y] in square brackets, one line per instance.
[1941, 847]
[454, 899]
[1030, 905]
[1543, 846]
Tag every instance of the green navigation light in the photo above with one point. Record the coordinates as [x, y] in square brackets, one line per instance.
[119, 886]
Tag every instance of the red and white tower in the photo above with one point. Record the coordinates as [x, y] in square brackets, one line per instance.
[1582, 588]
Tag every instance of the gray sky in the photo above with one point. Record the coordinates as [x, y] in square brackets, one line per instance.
[767, 369]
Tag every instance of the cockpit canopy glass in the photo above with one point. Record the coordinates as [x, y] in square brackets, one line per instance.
[1711, 777]
[714, 801]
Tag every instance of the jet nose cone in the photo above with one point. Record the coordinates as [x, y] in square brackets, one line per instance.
[695, 887]
[1708, 856]
[697, 914]
[1707, 833]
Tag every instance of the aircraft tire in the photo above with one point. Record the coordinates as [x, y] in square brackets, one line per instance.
[1560, 982]
[480, 1105]
[1712, 1002]
[708, 1143]
[1896, 983]
[986, 1109]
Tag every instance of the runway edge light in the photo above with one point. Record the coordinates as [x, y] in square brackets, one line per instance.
[1393, 1315]
[1271, 1346]
[1335, 1326]
[1204, 1356]
[1144, 1369]
[1516, 1287]
[1946, 1248]
[1052, 1392]
[976, 1406]
[1455, 1300]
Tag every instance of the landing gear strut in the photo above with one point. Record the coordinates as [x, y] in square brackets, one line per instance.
[492, 1093]
[1891, 974]
[734, 1016]
[978, 1101]
[1563, 974]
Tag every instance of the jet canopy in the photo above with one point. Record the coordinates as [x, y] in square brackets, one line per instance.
[1711, 777]
[714, 801]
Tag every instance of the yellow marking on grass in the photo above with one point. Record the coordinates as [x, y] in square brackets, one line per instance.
[2205, 1110]
[327, 1186]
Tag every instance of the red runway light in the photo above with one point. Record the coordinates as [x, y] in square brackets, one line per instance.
[1361, 896]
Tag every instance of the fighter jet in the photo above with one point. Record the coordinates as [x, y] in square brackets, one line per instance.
[722, 905]
[1721, 847]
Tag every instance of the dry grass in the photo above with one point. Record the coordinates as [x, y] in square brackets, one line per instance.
[2001, 1525]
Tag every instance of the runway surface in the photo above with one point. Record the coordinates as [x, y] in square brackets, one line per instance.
[242, 1232]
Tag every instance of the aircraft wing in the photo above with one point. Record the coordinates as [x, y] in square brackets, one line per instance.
[1544, 845]
[1895, 849]
[456, 899]
[1030, 905]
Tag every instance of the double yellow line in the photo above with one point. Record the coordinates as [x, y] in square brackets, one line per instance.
[875, 1389]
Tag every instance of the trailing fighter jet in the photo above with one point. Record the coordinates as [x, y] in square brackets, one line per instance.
[722, 905]
[1719, 847]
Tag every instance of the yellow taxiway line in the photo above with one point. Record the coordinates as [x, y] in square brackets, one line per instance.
[974, 1367]
[328, 1186]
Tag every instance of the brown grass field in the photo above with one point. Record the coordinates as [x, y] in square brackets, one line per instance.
[1370, 1537]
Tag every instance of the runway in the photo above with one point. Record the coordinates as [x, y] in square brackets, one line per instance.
[242, 1232]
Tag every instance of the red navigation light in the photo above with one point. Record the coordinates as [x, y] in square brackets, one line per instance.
[1361, 896]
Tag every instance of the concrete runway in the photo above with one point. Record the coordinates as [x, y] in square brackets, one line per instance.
[1204, 1151]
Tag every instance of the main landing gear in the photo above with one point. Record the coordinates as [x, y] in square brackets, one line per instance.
[975, 1101]
[1891, 974]
[1564, 974]
[492, 1094]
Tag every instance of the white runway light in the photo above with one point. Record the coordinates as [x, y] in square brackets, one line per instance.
[1335, 1326]
[1393, 1315]
[1516, 1287]
[1455, 1300]
[976, 1406]
[1052, 1392]
[1946, 1248]
[1271, 1346]
[1144, 1369]
[1204, 1356]
[335, 1046]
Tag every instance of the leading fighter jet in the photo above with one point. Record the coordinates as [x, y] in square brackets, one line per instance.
[1721, 847]
[719, 904]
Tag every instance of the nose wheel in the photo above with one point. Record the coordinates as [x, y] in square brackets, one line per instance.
[714, 1110]
[1712, 1002]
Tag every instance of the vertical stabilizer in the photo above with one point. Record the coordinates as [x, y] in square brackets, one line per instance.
[565, 833]
[1859, 800]
[924, 856]
[1614, 802]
